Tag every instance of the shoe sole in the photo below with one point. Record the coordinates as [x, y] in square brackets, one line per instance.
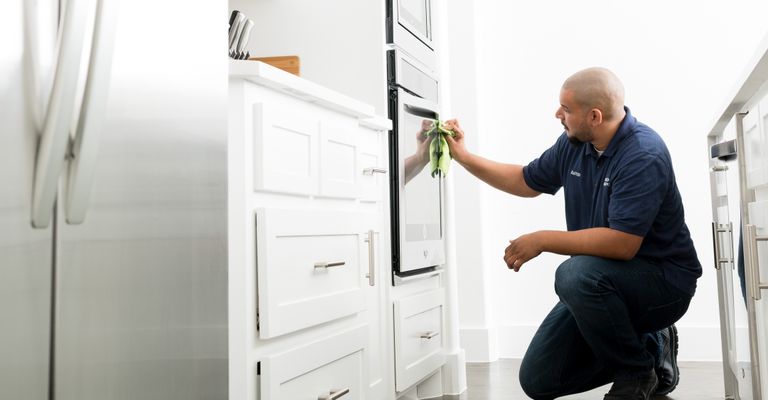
[674, 346]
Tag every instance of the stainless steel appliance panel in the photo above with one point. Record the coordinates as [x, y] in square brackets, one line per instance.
[405, 72]
[142, 296]
[25, 253]
[410, 28]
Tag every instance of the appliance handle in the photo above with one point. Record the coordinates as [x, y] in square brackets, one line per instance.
[751, 240]
[409, 101]
[82, 166]
[718, 229]
[716, 244]
[58, 117]
[371, 275]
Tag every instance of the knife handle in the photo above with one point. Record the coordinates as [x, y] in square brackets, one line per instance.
[235, 30]
[244, 35]
[232, 18]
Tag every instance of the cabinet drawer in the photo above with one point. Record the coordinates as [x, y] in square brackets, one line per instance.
[311, 267]
[312, 372]
[418, 337]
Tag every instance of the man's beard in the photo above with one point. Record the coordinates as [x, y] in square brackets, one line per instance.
[580, 132]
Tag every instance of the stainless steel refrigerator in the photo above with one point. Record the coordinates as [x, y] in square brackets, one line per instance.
[113, 269]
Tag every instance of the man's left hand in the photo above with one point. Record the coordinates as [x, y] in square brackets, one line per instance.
[521, 250]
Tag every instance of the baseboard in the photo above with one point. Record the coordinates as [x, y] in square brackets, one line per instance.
[697, 343]
[703, 343]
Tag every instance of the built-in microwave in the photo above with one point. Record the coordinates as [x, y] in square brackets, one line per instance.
[409, 27]
[417, 214]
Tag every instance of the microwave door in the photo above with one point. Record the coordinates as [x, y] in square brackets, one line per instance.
[415, 16]
[420, 211]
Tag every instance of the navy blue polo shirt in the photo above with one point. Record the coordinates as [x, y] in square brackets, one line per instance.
[631, 188]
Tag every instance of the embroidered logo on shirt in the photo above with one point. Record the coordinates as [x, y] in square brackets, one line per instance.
[576, 174]
[607, 182]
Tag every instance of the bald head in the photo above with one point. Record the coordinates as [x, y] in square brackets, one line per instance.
[597, 88]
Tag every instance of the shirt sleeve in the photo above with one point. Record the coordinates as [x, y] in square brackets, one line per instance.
[544, 174]
[637, 193]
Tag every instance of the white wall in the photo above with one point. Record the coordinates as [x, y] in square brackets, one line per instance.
[477, 324]
[678, 61]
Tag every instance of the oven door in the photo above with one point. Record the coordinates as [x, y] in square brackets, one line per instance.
[417, 212]
[409, 26]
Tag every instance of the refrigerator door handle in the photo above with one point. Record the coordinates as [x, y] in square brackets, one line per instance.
[58, 117]
[82, 166]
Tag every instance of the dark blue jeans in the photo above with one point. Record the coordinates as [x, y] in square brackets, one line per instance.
[604, 324]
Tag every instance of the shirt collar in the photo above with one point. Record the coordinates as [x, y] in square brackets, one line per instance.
[625, 129]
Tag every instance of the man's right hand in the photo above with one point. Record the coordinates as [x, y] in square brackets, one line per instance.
[459, 151]
[505, 177]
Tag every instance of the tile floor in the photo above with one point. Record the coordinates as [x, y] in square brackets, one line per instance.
[498, 381]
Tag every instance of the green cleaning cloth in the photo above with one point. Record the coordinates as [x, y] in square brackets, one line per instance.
[439, 153]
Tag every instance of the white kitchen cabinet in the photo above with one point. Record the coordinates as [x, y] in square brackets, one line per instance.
[309, 267]
[418, 337]
[307, 187]
[327, 368]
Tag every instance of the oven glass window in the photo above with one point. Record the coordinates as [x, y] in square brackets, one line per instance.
[414, 14]
[422, 191]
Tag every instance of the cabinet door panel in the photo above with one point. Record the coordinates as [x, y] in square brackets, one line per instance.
[418, 337]
[285, 153]
[339, 172]
[310, 268]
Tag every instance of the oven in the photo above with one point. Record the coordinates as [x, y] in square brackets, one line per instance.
[409, 27]
[417, 215]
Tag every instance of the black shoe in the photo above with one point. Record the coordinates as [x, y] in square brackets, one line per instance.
[636, 386]
[666, 370]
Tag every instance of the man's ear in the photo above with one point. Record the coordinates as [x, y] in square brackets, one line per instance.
[595, 117]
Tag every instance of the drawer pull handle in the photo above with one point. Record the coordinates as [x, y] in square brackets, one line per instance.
[374, 170]
[429, 335]
[371, 275]
[329, 264]
[335, 394]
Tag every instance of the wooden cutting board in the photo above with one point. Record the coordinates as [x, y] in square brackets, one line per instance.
[286, 63]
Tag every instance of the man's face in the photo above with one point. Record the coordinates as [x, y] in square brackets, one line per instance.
[573, 118]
